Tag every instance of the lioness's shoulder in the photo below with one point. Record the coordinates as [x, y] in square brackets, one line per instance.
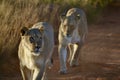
[42, 24]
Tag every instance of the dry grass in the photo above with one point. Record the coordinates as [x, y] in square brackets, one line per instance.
[13, 16]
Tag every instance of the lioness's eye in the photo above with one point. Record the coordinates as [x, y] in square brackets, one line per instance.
[72, 27]
[65, 25]
[31, 39]
[40, 37]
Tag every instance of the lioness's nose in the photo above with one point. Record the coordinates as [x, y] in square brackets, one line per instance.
[37, 47]
[67, 34]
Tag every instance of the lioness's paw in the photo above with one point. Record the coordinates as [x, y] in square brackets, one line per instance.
[63, 72]
[50, 63]
[74, 63]
[49, 67]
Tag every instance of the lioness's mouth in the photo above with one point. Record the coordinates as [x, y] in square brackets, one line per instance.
[37, 50]
[68, 35]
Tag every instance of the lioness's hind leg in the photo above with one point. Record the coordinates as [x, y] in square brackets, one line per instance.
[50, 63]
[50, 60]
[44, 76]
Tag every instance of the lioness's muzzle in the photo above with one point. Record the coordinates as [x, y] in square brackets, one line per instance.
[68, 35]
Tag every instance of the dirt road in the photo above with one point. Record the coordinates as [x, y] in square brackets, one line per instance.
[100, 57]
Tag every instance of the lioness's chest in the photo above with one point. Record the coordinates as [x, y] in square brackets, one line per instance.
[31, 61]
[75, 36]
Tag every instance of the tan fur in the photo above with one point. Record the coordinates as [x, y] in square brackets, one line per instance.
[35, 50]
[72, 33]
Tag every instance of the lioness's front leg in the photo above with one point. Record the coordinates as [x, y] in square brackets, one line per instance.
[71, 49]
[62, 56]
[26, 74]
[38, 73]
[76, 53]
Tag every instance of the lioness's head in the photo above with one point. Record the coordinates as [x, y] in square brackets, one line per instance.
[33, 39]
[69, 23]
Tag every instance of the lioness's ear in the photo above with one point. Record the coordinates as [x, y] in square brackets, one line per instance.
[62, 17]
[23, 30]
[42, 29]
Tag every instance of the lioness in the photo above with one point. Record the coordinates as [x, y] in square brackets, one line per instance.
[72, 33]
[35, 50]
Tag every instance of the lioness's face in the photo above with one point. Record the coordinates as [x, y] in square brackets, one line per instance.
[68, 26]
[33, 39]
